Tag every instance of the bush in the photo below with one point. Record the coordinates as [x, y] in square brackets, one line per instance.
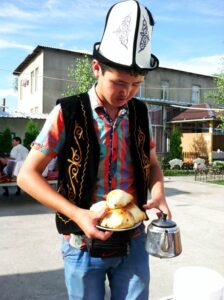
[218, 164]
[5, 142]
[165, 163]
[30, 134]
[188, 166]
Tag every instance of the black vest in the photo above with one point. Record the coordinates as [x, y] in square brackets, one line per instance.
[79, 159]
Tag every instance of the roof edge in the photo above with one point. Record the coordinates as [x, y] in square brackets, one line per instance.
[39, 48]
[30, 57]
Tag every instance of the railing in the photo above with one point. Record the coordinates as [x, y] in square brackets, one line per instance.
[209, 174]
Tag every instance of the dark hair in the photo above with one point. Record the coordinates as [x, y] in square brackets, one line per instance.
[18, 139]
[131, 71]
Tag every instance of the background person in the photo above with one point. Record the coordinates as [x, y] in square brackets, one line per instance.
[102, 140]
[18, 153]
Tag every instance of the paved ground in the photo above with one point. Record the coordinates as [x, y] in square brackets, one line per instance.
[30, 262]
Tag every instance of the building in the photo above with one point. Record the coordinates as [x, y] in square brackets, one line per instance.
[43, 77]
[17, 121]
[200, 134]
[165, 90]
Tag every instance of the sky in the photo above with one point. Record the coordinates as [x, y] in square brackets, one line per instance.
[188, 34]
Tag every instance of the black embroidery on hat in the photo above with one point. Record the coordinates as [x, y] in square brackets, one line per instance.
[144, 36]
[124, 30]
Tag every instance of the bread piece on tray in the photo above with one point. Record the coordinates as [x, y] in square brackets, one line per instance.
[121, 211]
[117, 219]
[118, 198]
[137, 213]
[98, 206]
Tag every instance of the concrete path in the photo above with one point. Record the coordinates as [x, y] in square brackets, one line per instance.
[31, 267]
[198, 209]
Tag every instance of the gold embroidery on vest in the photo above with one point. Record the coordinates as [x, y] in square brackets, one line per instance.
[78, 160]
[61, 190]
[87, 153]
[62, 219]
[75, 162]
[144, 157]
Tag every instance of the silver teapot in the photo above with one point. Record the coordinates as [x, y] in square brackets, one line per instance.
[163, 238]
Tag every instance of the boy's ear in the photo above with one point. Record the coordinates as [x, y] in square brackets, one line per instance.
[96, 68]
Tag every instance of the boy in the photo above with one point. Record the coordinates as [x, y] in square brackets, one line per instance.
[103, 142]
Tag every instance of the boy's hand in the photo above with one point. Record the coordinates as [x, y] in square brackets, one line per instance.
[159, 204]
[87, 221]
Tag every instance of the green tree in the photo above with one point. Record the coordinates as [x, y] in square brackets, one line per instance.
[175, 150]
[5, 142]
[30, 133]
[81, 73]
[218, 94]
[175, 144]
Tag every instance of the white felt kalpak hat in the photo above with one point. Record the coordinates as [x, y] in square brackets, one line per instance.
[126, 40]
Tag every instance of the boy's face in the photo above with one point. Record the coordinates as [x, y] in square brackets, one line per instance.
[114, 87]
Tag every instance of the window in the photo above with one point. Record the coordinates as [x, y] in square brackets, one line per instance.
[34, 109]
[32, 82]
[164, 89]
[195, 98]
[36, 79]
[21, 90]
[141, 92]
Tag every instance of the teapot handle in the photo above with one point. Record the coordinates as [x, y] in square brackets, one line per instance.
[156, 215]
[163, 215]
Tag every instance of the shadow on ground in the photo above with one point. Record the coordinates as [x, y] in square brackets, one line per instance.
[47, 285]
[26, 205]
[21, 205]
[32, 286]
[173, 191]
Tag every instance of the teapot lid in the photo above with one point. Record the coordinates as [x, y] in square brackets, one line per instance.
[163, 222]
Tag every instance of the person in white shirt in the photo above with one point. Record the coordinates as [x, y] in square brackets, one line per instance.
[18, 153]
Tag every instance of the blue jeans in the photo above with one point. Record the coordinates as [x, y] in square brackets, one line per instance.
[128, 276]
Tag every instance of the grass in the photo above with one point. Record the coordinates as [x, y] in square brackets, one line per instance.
[178, 172]
[221, 182]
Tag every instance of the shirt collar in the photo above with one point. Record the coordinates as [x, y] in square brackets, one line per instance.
[94, 99]
[96, 102]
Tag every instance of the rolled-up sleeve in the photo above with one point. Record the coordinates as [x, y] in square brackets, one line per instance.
[52, 136]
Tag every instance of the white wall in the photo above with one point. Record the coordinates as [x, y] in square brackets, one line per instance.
[31, 101]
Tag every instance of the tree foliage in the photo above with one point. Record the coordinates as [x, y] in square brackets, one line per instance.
[81, 73]
[5, 142]
[175, 144]
[218, 94]
[30, 133]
